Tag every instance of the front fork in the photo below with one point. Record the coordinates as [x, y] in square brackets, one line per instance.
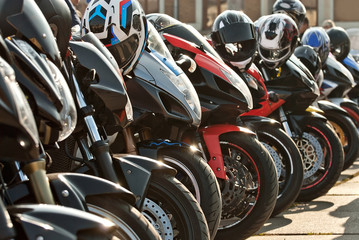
[99, 147]
[210, 136]
[36, 172]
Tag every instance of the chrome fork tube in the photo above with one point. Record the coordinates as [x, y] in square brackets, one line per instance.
[284, 121]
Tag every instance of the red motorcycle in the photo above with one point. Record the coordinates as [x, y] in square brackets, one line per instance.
[244, 168]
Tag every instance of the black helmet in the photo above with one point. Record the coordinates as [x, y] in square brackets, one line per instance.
[317, 38]
[234, 38]
[24, 18]
[339, 42]
[277, 39]
[294, 8]
[58, 15]
[309, 57]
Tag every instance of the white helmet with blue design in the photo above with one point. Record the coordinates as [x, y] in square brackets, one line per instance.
[121, 25]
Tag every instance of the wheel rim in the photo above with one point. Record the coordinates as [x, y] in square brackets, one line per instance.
[185, 176]
[312, 154]
[322, 160]
[341, 134]
[158, 218]
[127, 232]
[277, 159]
[240, 191]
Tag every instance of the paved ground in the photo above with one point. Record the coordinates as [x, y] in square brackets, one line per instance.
[332, 216]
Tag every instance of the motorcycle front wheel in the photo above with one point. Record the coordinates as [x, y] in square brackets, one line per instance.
[131, 224]
[173, 210]
[250, 191]
[348, 135]
[199, 179]
[289, 165]
[323, 159]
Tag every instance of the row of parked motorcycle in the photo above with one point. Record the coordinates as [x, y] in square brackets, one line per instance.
[139, 127]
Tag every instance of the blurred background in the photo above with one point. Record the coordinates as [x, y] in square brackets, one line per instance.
[201, 13]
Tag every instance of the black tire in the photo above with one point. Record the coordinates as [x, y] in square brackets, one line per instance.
[321, 142]
[348, 135]
[169, 204]
[250, 192]
[353, 111]
[199, 179]
[289, 165]
[131, 223]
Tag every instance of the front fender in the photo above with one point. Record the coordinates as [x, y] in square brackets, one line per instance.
[210, 136]
[71, 189]
[55, 222]
[135, 172]
[255, 122]
[343, 101]
[151, 148]
[298, 121]
[327, 106]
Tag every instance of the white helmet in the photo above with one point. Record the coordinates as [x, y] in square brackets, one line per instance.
[121, 25]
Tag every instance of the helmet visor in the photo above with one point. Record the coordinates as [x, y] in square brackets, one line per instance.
[125, 51]
[274, 55]
[235, 52]
[236, 32]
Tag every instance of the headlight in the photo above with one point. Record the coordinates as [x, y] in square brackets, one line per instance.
[26, 118]
[68, 113]
[185, 86]
[129, 110]
[239, 84]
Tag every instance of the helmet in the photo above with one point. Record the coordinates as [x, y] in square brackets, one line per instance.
[293, 8]
[339, 42]
[121, 25]
[58, 16]
[317, 38]
[309, 57]
[277, 39]
[234, 38]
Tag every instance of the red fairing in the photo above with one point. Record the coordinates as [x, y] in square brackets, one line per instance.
[182, 43]
[267, 106]
[211, 137]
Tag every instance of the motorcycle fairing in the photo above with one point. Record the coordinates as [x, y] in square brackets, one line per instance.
[110, 84]
[210, 136]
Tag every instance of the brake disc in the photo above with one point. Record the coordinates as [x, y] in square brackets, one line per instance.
[158, 218]
[312, 153]
[277, 159]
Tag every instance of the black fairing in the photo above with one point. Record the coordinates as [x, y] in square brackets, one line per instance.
[335, 72]
[36, 80]
[146, 97]
[12, 131]
[108, 85]
[25, 19]
[293, 85]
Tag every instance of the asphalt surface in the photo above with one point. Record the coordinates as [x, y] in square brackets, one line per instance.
[332, 216]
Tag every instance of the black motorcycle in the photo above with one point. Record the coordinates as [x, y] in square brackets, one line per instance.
[322, 152]
[46, 89]
[20, 146]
